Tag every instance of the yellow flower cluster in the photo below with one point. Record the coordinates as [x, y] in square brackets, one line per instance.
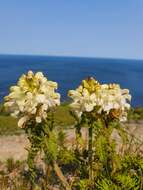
[33, 96]
[109, 99]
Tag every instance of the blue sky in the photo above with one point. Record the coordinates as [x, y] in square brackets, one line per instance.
[91, 28]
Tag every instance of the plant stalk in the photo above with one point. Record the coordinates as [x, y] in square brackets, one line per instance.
[90, 145]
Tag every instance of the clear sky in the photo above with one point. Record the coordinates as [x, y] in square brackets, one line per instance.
[91, 28]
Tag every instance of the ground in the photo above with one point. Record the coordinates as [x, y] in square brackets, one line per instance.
[14, 146]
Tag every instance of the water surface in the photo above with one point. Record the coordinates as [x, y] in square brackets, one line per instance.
[69, 71]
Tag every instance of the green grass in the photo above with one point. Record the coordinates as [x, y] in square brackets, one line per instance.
[62, 115]
[8, 124]
[135, 114]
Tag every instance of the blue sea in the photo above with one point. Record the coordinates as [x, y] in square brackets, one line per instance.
[69, 71]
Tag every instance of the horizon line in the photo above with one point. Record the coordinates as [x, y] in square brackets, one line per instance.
[69, 56]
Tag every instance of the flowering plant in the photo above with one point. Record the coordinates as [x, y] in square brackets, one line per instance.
[32, 98]
[94, 102]
[92, 161]
[105, 99]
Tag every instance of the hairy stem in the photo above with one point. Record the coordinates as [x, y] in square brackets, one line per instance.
[90, 144]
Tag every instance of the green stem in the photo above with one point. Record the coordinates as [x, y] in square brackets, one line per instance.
[78, 134]
[90, 144]
[30, 161]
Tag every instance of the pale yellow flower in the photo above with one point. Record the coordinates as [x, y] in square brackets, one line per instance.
[109, 99]
[114, 98]
[33, 96]
[84, 97]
